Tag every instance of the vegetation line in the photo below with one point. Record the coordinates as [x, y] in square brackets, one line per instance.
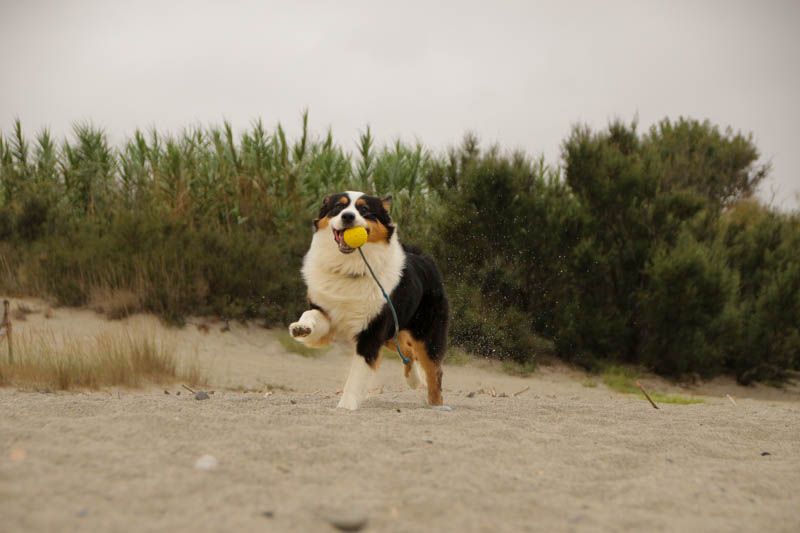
[644, 248]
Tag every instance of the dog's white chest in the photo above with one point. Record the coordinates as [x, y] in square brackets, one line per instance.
[341, 285]
[350, 304]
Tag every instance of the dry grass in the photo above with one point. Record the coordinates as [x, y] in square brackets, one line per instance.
[20, 314]
[522, 370]
[457, 356]
[128, 358]
[114, 303]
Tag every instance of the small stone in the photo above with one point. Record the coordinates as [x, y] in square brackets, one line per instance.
[429, 441]
[398, 410]
[178, 393]
[293, 402]
[201, 395]
[763, 454]
[471, 394]
[348, 523]
[166, 391]
[206, 462]
[268, 514]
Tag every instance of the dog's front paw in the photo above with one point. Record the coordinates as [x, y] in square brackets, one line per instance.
[299, 331]
[348, 402]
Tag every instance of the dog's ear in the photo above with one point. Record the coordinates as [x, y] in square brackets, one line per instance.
[386, 201]
[326, 202]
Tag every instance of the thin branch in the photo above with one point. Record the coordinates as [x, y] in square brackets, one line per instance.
[649, 399]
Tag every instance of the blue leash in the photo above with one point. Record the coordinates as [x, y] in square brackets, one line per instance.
[405, 359]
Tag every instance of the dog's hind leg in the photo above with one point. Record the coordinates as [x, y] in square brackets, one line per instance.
[433, 373]
[412, 370]
[413, 374]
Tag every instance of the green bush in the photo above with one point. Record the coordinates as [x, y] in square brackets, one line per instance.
[687, 315]
[762, 246]
[644, 249]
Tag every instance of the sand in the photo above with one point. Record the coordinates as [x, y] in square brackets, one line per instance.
[558, 457]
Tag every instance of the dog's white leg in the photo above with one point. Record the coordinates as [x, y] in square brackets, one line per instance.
[312, 326]
[355, 388]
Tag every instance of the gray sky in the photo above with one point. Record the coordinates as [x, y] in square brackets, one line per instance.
[520, 73]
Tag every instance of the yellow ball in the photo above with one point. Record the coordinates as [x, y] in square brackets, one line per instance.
[355, 237]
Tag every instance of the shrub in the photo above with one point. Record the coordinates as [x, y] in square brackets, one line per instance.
[761, 246]
[644, 249]
[687, 309]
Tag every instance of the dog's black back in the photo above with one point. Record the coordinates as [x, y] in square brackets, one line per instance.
[421, 305]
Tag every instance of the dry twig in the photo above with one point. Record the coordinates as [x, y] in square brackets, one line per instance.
[649, 399]
[5, 330]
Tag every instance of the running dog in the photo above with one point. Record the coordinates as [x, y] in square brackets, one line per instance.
[346, 305]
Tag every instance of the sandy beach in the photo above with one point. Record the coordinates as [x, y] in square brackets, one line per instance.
[545, 453]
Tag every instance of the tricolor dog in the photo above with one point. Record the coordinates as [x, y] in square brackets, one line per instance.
[346, 304]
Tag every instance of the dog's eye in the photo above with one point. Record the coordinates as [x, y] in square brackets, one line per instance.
[364, 210]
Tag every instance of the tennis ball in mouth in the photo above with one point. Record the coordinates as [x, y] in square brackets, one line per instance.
[355, 237]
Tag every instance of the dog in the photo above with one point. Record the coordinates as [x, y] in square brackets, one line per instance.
[346, 305]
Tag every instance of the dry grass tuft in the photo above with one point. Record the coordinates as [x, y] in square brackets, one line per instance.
[114, 303]
[522, 370]
[457, 356]
[20, 314]
[126, 358]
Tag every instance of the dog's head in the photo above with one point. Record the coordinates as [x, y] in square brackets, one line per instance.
[350, 209]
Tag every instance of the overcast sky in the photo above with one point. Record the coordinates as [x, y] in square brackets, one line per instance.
[519, 73]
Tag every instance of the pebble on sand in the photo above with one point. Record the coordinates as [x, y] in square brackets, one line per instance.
[201, 395]
[206, 462]
[348, 523]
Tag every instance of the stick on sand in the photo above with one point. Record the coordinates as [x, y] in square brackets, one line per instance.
[5, 330]
[649, 399]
